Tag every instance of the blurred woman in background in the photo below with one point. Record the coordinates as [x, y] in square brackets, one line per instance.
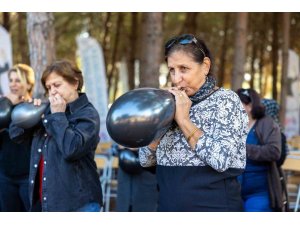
[263, 148]
[14, 158]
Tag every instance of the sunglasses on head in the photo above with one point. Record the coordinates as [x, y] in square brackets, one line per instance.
[183, 40]
[245, 92]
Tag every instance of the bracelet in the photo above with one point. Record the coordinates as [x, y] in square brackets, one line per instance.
[192, 134]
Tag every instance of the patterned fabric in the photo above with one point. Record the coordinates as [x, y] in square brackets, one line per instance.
[272, 109]
[204, 91]
[224, 122]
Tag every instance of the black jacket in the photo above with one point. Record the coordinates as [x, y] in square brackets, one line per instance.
[14, 158]
[67, 142]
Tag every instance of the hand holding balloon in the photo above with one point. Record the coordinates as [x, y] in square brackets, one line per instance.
[153, 145]
[36, 101]
[57, 103]
[183, 105]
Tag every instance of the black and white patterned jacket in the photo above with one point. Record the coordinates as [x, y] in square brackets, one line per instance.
[204, 178]
[224, 123]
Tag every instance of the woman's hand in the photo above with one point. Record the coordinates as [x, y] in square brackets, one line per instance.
[57, 103]
[183, 105]
[153, 145]
[36, 101]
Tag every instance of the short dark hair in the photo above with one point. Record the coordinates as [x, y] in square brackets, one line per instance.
[65, 69]
[194, 46]
[248, 96]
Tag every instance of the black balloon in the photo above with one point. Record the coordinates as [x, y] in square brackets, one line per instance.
[129, 161]
[139, 116]
[27, 115]
[5, 112]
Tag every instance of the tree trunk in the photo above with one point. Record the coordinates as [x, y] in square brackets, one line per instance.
[275, 56]
[190, 23]
[112, 72]
[239, 50]
[285, 61]
[152, 39]
[252, 67]
[221, 74]
[260, 69]
[40, 32]
[262, 43]
[6, 21]
[132, 49]
[22, 44]
[104, 40]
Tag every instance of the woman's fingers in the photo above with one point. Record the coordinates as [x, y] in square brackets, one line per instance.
[179, 95]
[29, 100]
[57, 103]
[37, 101]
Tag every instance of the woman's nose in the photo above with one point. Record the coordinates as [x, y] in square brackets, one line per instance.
[52, 91]
[12, 83]
[177, 78]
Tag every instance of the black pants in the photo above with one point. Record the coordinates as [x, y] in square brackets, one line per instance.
[14, 194]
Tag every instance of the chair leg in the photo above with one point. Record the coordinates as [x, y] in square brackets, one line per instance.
[101, 210]
[298, 199]
[108, 188]
[103, 182]
[107, 200]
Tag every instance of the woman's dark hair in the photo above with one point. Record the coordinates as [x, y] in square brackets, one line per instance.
[248, 96]
[191, 45]
[65, 69]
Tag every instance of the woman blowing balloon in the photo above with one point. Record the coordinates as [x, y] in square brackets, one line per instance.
[14, 158]
[63, 175]
[199, 158]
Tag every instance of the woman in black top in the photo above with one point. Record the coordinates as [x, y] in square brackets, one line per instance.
[14, 158]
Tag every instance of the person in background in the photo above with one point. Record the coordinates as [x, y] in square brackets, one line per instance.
[263, 148]
[63, 174]
[272, 110]
[137, 185]
[199, 158]
[14, 158]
